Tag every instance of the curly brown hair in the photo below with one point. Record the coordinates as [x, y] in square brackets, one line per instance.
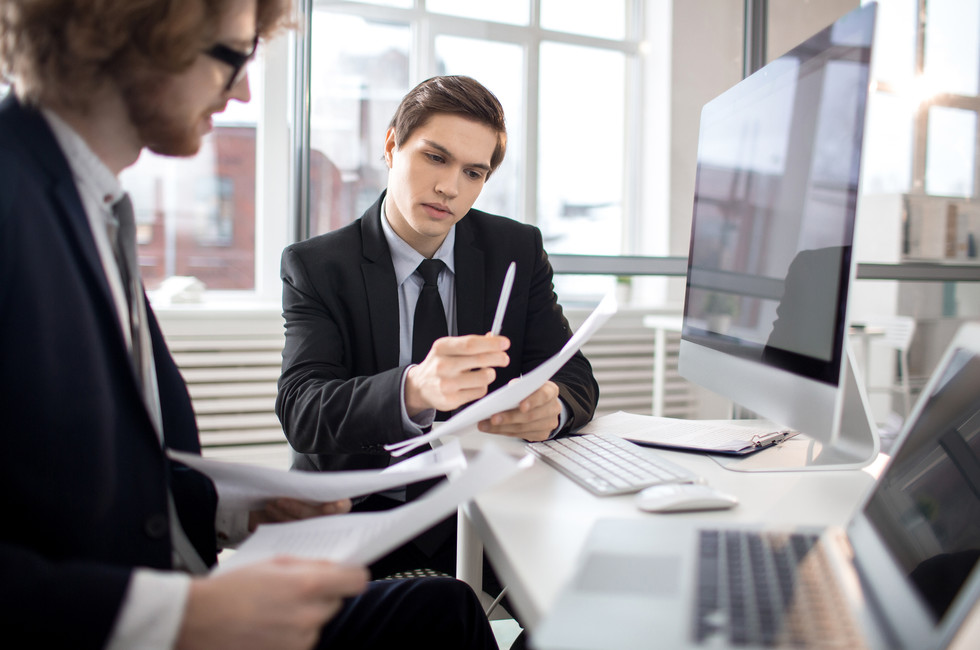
[453, 95]
[62, 49]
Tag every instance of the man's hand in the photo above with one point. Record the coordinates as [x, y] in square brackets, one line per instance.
[281, 603]
[457, 370]
[282, 510]
[534, 418]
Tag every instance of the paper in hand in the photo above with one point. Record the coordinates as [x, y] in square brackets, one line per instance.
[242, 486]
[363, 537]
[509, 396]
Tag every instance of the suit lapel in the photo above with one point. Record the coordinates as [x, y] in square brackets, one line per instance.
[37, 140]
[471, 276]
[381, 288]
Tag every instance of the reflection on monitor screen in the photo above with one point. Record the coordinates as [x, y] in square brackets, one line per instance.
[770, 262]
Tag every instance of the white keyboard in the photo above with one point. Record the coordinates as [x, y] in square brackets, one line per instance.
[609, 465]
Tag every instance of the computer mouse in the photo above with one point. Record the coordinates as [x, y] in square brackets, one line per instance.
[683, 497]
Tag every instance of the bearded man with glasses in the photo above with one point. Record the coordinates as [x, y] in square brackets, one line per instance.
[105, 541]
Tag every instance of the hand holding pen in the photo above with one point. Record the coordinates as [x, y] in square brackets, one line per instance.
[460, 369]
[538, 414]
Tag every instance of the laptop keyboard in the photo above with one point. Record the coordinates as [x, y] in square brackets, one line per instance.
[767, 589]
[608, 465]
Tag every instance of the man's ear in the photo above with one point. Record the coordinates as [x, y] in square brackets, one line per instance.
[389, 145]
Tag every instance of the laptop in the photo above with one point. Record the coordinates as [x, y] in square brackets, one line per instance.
[903, 573]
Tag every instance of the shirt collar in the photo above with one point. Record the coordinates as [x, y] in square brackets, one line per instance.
[91, 174]
[406, 259]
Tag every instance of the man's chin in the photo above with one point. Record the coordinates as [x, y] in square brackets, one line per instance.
[178, 147]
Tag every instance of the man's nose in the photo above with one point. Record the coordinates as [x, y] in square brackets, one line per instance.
[448, 183]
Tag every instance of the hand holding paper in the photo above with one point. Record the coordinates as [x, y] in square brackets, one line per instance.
[362, 537]
[249, 487]
[510, 396]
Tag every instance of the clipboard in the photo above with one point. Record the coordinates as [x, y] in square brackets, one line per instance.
[724, 437]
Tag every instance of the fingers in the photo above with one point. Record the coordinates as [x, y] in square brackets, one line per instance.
[285, 509]
[535, 418]
[281, 603]
[462, 353]
[327, 580]
[457, 370]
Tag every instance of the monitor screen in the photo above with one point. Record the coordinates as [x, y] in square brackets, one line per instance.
[770, 262]
[775, 198]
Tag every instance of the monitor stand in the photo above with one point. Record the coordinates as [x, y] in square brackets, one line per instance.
[856, 446]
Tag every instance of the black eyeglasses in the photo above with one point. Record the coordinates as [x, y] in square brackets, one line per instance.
[237, 60]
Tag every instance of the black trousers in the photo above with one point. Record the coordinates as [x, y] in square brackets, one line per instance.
[432, 613]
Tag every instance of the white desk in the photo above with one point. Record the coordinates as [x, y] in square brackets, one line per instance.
[533, 526]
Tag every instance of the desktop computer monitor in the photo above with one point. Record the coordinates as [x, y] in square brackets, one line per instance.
[771, 255]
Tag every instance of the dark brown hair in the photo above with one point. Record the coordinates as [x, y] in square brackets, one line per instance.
[453, 95]
[63, 49]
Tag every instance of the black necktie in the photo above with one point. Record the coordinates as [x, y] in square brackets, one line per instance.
[430, 316]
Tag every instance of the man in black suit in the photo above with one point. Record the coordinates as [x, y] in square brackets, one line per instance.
[350, 383]
[96, 518]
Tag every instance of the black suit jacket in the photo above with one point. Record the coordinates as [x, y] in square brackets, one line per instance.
[339, 399]
[83, 478]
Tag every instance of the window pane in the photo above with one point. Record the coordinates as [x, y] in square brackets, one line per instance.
[952, 56]
[358, 75]
[950, 151]
[605, 19]
[894, 60]
[405, 4]
[512, 12]
[499, 67]
[887, 165]
[581, 149]
[196, 217]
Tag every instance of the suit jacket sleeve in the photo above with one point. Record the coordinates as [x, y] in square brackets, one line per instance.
[328, 400]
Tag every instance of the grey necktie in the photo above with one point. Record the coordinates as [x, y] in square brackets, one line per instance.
[123, 238]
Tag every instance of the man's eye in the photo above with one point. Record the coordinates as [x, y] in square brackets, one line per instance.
[435, 157]
[475, 175]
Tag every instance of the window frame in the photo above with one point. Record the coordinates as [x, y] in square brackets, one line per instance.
[426, 27]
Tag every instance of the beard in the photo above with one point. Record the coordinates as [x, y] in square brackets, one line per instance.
[160, 130]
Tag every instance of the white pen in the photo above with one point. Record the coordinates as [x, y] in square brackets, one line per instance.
[498, 317]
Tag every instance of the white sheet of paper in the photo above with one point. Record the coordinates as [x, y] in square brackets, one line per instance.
[362, 537]
[722, 435]
[509, 396]
[248, 486]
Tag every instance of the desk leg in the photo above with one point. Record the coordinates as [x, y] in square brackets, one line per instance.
[469, 552]
[659, 370]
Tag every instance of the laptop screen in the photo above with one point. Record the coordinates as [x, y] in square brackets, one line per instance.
[926, 507]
